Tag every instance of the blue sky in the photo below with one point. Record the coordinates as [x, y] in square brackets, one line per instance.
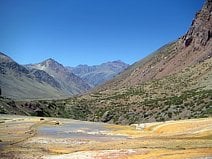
[91, 31]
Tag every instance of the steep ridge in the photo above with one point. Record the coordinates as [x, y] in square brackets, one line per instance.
[70, 83]
[98, 74]
[50, 79]
[173, 83]
[17, 82]
[194, 47]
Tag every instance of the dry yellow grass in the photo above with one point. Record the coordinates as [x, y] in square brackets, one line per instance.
[164, 140]
[173, 154]
[185, 128]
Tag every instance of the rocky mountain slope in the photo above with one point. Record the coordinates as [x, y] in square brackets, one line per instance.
[98, 74]
[17, 82]
[192, 48]
[175, 82]
[187, 94]
[69, 82]
[50, 79]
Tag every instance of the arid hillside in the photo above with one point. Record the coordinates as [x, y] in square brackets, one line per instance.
[175, 82]
[192, 48]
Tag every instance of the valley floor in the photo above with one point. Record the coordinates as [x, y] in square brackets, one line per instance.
[24, 137]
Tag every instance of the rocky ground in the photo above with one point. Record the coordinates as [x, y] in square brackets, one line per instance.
[55, 138]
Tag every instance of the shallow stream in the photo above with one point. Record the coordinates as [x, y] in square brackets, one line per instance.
[79, 130]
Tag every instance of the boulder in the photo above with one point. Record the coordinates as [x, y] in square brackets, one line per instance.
[107, 116]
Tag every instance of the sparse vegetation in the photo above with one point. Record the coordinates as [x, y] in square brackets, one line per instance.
[147, 95]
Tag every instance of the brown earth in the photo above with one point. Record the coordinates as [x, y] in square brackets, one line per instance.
[192, 48]
[20, 138]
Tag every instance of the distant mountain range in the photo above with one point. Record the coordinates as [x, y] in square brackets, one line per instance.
[98, 74]
[69, 83]
[49, 79]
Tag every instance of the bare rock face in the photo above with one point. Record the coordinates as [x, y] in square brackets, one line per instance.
[17, 81]
[68, 82]
[196, 44]
[42, 76]
[99, 74]
[200, 32]
[107, 116]
[192, 48]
